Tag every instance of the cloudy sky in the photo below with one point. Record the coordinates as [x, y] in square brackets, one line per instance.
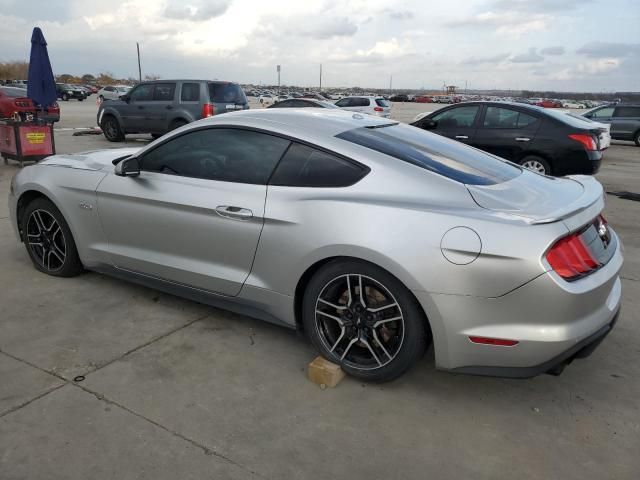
[571, 45]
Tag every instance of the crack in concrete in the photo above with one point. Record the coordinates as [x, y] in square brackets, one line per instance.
[37, 397]
[205, 449]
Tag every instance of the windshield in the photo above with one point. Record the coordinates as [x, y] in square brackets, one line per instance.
[382, 102]
[434, 153]
[226, 93]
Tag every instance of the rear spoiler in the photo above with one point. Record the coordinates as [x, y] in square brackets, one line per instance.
[583, 210]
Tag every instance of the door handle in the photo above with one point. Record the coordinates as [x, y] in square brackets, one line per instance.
[462, 137]
[235, 213]
[169, 107]
[140, 107]
[522, 139]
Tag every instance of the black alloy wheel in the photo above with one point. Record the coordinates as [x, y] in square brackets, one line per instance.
[364, 319]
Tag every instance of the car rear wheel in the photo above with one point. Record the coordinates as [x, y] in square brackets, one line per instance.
[536, 164]
[111, 129]
[362, 318]
[48, 240]
[65, 97]
[636, 138]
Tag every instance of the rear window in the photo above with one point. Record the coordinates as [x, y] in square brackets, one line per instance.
[434, 153]
[226, 93]
[14, 92]
[382, 102]
[566, 119]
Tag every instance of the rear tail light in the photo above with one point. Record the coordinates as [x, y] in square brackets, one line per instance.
[571, 258]
[587, 140]
[378, 109]
[208, 110]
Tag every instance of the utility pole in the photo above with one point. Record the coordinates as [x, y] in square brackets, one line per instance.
[139, 67]
[390, 84]
[320, 78]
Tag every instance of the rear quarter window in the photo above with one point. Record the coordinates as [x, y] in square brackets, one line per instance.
[304, 166]
[434, 153]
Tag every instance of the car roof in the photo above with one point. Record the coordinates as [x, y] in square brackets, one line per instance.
[310, 124]
[363, 96]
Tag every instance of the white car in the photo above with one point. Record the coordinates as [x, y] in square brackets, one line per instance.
[572, 105]
[373, 105]
[112, 92]
[266, 99]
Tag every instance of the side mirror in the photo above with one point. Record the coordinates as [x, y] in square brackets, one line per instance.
[129, 167]
[125, 98]
[428, 124]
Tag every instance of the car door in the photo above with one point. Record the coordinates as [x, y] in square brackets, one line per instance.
[133, 111]
[159, 109]
[625, 121]
[194, 214]
[506, 132]
[457, 122]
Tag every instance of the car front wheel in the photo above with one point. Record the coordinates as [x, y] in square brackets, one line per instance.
[636, 138]
[111, 129]
[48, 239]
[362, 318]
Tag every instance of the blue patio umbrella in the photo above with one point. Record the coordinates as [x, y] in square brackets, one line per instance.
[41, 87]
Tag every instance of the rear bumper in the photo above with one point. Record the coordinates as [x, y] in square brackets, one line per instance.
[551, 319]
[582, 349]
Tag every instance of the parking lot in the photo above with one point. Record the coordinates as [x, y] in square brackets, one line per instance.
[166, 388]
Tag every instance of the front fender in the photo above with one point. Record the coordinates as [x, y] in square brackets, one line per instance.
[106, 110]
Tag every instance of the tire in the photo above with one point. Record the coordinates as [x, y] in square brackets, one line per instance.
[101, 98]
[111, 129]
[363, 339]
[65, 97]
[80, 99]
[536, 164]
[636, 138]
[48, 240]
[177, 124]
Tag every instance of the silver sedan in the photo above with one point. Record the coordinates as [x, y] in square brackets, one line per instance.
[375, 238]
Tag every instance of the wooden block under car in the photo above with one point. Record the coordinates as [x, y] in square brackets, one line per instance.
[323, 372]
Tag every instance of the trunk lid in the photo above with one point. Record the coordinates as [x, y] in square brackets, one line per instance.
[575, 200]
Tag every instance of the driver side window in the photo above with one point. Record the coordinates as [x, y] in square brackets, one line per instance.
[223, 154]
[457, 117]
[142, 93]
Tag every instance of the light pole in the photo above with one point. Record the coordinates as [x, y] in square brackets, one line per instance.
[278, 79]
[139, 67]
[320, 78]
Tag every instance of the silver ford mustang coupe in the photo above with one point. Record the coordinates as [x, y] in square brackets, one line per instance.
[375, 238]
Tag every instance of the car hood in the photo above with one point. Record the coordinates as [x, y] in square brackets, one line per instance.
[92, 160]
[541, 199]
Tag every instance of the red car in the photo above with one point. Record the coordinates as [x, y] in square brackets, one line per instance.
[14, 100]
[549, 104]
[424, 99]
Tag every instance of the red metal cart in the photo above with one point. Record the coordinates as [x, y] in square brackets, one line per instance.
[26, 141]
